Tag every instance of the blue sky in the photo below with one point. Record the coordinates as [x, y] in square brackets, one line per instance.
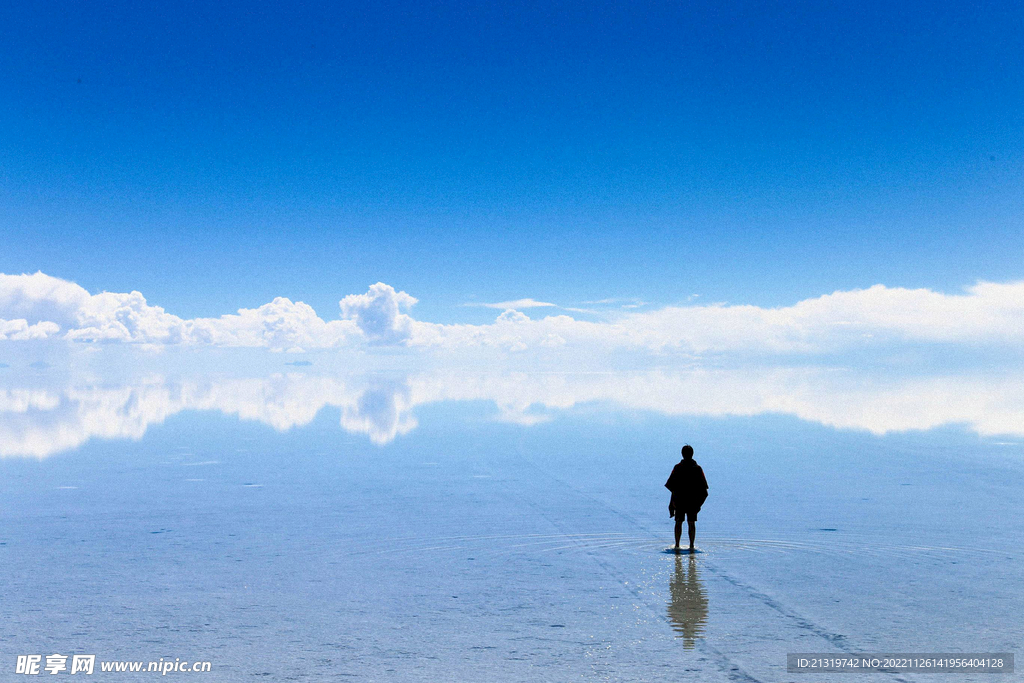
[214, 157]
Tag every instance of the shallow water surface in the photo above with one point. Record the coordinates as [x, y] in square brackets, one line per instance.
[468, 546]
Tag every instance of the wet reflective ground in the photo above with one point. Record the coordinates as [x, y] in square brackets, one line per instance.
[442, 539]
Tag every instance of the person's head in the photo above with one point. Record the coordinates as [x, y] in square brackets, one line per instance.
[687, 452]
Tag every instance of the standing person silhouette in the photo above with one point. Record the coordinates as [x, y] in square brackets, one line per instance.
[689, 489]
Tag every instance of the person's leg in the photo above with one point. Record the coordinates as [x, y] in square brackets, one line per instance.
[693, 531]
[679, 526]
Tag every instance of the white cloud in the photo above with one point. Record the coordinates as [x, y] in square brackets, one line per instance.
[281, 325]
[622, 302]
[41, 297]
[57, 305]
[517, 304]
[39, 306]
[20, 330]
[125, 318]
[377, 314]
[987, 313]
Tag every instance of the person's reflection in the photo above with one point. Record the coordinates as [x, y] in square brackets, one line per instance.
[688, 606]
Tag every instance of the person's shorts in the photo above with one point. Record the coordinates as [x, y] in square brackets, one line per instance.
[685, 508]
[687, 514]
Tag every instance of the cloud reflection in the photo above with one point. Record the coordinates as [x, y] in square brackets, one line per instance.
[40, 420]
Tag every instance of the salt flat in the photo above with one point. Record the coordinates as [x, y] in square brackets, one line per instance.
[472, 549]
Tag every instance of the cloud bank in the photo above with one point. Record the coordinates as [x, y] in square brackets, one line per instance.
[35, 307]
[517, 304]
